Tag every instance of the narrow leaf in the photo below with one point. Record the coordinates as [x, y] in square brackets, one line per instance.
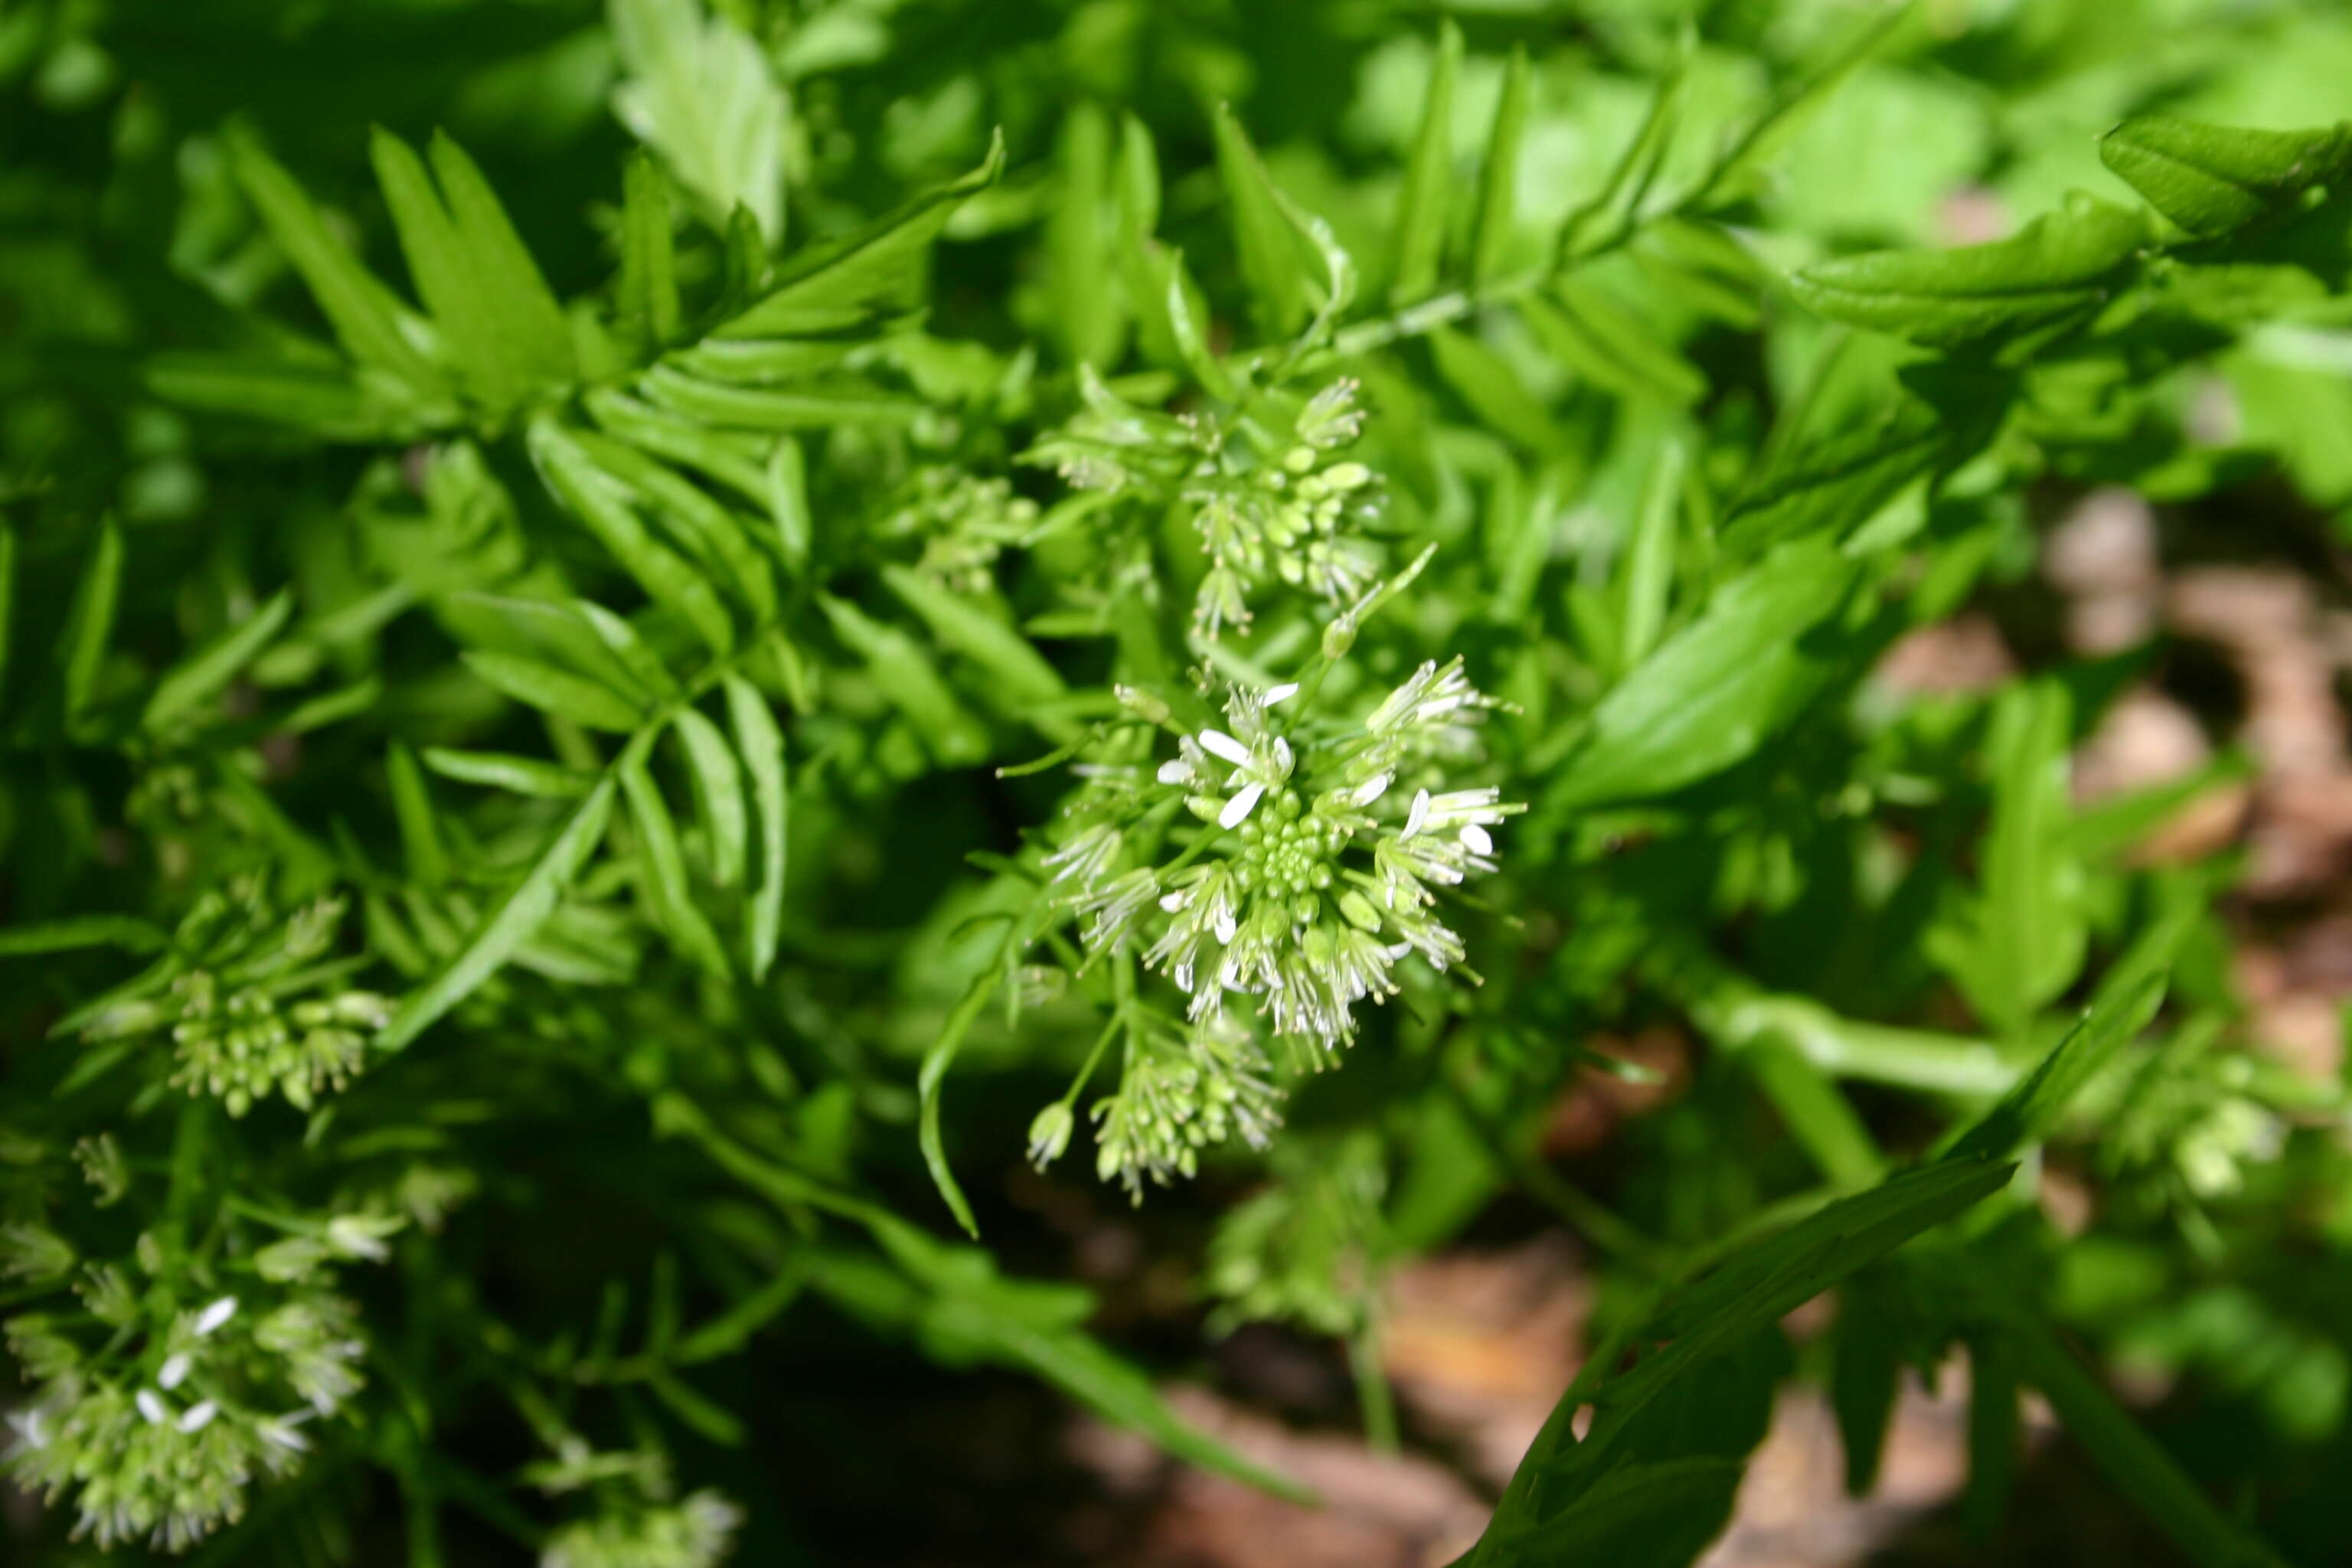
[649, 301]
[205, 673]
[2210, 179]
[761, 744]
[554, 690]
[719, 794]
[1498, 178]
[89, 622]
[664, 883]
[528, 776]
[517, 918]
[1421, 205]
[2027, 1112]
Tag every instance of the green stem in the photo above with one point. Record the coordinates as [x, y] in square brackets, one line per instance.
[2138, 1467]
[1373, 1396]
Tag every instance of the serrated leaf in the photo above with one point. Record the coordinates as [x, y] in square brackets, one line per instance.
[516, 919]
[205, 674]
[759, 742]
[2210, 179]
[528, 776]
[1767, 643]
[2059, 268]
[849, 281]
[719, 794]
[554, 690]
[701, 92]
[1418, 241]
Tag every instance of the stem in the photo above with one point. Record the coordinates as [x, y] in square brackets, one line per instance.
[1373, 1396]
[2133, 1460]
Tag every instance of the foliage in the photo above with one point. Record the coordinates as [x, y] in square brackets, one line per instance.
[642, 648]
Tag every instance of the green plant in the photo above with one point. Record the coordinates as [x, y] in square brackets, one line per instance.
[543, 765]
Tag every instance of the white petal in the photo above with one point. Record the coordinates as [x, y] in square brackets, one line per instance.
[1237, 809]
[1282, 693]
[1171, 902]
[1372, 788]
[1222, 923]
[283, 1433]
[1419, 815]
[175, 1373]
[1226, 746]
[151, 1408]
[1283, 757]
[1476, 839]
[1175, 770]
[214, 1316]
[199, 1417]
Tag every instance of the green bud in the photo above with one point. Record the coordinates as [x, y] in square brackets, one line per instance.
[1359, 911]
[1339, 636]
[1049, 1134]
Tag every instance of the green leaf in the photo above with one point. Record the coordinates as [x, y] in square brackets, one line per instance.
[602, 503]
[528, 322]
[663, 880]
[1647, 575]
[442, 268]
[206, 673]
[1650, 1482]
[851, 281]
[761, 744]
[905, 672]
[1608, 346]
[1766, 645]
[1089, 313]
[2210, 179]
[90, 623]
[1499, 177]
[1418, 241]
[325, 402]
[701, 92]
[648, 288]
[364, 313]
[2027, 1112]
[1993, 1433]
[1832, 487]
[820, 407]
[722, 540]
[2056, 271]
[528, 776]
[936, 1063]
[2021, 942]
[719, 794]
[1016, 670]
[1272, 263]
[79, 932]
[7, 603]
[557, 691]
[788, 503]
[411, 808]
[517, 918]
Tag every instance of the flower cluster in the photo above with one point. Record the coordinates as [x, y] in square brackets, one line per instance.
[635, 1522]
[964, 522]
[1269, 506]
[1317, 869]
[1311, 865]
[256, 1008]
[1184, 1091]
[160, 1406]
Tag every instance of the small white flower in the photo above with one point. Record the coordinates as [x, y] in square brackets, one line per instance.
[198, 1417]
[1223, 745]
[150, 1405]
[175, 1373]
[1237, 809]
[214, 1316]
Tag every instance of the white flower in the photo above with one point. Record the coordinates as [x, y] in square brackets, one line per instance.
[152, 1406]
[214, 1316]
[175, 1373]
[198, 1417]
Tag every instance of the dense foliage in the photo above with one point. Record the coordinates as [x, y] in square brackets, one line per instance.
[645, 648]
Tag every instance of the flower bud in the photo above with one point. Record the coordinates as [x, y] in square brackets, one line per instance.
[1049, 1134]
